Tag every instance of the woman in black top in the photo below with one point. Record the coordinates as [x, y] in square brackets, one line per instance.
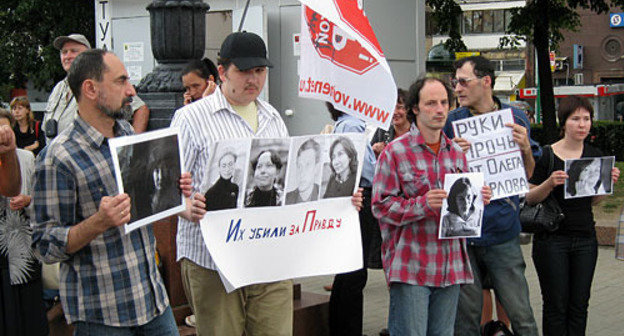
[28, 133]
[266, 191]
[343, 167]
[565, 259]
[223, 194]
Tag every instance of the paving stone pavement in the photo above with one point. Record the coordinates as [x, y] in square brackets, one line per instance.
[606, 306]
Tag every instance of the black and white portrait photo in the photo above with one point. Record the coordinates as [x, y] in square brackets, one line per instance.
[226, 175]
[462, 210]
[589, 177]
[268, 160]
[303, 179]
[341, 169]
[148, 168]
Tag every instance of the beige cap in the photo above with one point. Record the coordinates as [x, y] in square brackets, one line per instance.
[78, 38]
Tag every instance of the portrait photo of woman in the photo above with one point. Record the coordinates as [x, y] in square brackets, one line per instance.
[586, 177]
[223, 194]
[265, 182]
[463, 217]
[343, 165]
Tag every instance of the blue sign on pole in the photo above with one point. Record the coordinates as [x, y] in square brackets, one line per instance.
[616, 20]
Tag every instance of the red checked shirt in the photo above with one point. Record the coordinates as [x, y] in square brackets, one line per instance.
[411, 251]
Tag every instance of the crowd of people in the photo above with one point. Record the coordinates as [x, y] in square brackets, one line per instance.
[67, 208]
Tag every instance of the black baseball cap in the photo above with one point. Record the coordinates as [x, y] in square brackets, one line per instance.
[246, 50]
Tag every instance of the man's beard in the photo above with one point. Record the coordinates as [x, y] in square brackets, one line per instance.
[120, 113]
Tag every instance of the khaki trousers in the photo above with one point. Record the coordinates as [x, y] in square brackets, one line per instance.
[258, 310]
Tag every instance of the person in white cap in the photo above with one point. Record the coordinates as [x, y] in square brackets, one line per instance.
[61, 108]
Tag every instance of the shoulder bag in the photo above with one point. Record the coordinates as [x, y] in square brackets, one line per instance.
[544, 216]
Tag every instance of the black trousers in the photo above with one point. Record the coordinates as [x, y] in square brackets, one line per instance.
[565, 267]
[346, 303]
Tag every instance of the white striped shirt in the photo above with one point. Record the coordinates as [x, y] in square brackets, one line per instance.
[202, 124]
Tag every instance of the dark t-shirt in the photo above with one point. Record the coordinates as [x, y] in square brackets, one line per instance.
[579, 218]
[26, 139]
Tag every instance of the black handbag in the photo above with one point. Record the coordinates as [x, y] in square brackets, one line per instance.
[544, 216]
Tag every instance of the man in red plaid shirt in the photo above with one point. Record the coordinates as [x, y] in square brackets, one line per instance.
[423, 272]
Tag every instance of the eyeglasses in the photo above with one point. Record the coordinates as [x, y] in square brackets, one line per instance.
[462, 81]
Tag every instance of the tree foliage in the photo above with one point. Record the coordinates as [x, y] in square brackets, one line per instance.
[27, 29]
[540, 22]
[446, 14]
[543, 23]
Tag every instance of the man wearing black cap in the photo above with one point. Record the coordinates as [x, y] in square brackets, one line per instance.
[232, 111]
[62, 107]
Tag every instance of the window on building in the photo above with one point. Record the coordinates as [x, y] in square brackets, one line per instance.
[498, 21]
[468, 22]
[507, 18]
[477, 21]
[487, 21]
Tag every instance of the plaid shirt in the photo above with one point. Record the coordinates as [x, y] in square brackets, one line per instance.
[113, 280]
[411, 251]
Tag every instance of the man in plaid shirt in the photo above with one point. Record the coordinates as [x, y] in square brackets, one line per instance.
[424, 272]
[109, 281]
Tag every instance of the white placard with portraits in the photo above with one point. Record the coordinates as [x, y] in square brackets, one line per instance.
[281, 208]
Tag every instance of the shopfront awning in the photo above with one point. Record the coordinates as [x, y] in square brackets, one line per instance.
[508, 81]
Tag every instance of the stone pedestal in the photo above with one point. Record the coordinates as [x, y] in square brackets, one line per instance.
[165, 232]
[162, 106]
[178, 33]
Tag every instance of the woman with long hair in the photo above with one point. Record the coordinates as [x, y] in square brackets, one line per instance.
[28, 133]
[199, 78]
[565, 259]
[343, 165]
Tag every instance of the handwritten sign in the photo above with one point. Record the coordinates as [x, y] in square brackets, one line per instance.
[494, 152]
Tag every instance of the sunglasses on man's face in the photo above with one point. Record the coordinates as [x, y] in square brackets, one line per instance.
[462, 81]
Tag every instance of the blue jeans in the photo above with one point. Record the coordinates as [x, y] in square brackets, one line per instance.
[505, 265]
[565, 267]
[420, 310]
[163, 325]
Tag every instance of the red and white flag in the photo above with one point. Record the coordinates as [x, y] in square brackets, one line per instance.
[342, 62]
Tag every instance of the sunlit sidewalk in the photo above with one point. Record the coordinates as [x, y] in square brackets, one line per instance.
[606, 306]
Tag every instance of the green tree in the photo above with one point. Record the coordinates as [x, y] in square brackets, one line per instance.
[543, 22]
[27, 29]
[446, 14]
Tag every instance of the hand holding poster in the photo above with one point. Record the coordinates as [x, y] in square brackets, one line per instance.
[589, 177]
[494, 152]
[148, 168]
[302, 222]
[341, 57]
[462, 210]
